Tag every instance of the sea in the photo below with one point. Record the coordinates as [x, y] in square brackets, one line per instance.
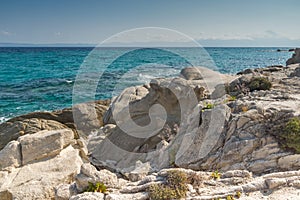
[43, 78]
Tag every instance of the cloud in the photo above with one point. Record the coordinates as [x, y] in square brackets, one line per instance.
[5, 33]
[58, 33]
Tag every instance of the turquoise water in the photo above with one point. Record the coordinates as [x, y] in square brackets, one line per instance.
[42, 79]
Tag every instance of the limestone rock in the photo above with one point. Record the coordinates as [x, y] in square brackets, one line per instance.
[86, 121]
[88, 173]
[65, 191]
[14, 128]
[88, 196]
[191, 73]
[10, 156]
[136, 196]
[38, 180]
[44, 144]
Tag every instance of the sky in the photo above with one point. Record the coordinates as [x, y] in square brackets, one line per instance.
[211, 22]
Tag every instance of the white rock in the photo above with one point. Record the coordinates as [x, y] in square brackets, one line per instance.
[44, 144]
[136, 196]
[88, 196]
[38, 180]
[10, 155]
[89, 173]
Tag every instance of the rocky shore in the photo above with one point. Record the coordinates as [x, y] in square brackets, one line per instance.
[202, 135]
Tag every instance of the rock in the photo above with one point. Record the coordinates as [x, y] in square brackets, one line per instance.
[65, 191]
[10, 156]
[296, 72]
[38, 180]
[274, 183]
[237, 173]
[138, 172]
[89, 196]
[86, 121]
[88, 173]
[136, 196]
[44, 144]
[202, 140]
[295, 58]
[6, 195]
[191, 73]
[14, 128]
[287, 161]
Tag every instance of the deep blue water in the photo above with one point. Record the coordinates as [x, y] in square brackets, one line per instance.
[42, 79]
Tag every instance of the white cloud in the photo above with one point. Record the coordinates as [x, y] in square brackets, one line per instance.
[58, 33]
[5, 33]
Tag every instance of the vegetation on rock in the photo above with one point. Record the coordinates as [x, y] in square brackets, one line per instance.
[97, 187]
[174, 188]
[291, 134]
[259, 83]
[216, 175]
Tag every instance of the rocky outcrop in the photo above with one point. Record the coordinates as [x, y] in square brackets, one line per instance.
[37, 180]
[37, 121]
[224, 133]
[295, 58]
[240, 184]
[198, 126]
[32, 166]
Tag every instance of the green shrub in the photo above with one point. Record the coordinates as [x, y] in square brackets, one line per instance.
[174, 188]
[291, 134]
[259, 83]
[97, 187]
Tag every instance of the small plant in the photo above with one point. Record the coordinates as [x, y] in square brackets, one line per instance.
[291, 134]
[174, 188]
[216, 175]
[259, 83]
[232, 98]
[238, 194]
[208, 106]
[229, 197]
[97, 187]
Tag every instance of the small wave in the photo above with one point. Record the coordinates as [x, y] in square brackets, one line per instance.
[69, 81]
[145, 77]
[3, 119]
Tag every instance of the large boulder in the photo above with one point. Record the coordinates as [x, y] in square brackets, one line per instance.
[147, 122]
[295, 58]
[38, 180]
[44, 144]
[14, 128]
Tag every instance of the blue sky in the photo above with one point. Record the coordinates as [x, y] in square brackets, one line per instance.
[211, 22]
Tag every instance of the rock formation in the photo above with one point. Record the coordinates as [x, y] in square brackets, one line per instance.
[295, 58]
[194, 126]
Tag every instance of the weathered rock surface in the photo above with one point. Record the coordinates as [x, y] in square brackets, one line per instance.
[202, 186]
[189, 124]
[88, 173]
[231, 134]
[86, 121]
[10, 155]
[44, 144]
[13, 129]
[38, 180]
[295, 58]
